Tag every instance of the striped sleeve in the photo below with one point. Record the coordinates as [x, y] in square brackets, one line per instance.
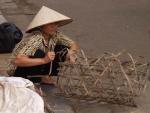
[19, 47]
[64, 40]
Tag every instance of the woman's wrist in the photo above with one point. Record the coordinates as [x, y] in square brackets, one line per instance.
[72, 52]
[45, 60]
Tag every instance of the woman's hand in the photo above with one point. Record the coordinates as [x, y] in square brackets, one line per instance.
[71, 56]
[50, 56]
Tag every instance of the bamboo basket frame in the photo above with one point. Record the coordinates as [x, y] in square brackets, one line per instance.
[112, 78]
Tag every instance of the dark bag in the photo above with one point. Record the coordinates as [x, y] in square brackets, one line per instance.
[10, 35]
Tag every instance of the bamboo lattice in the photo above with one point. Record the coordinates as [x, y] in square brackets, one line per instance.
[111, 78]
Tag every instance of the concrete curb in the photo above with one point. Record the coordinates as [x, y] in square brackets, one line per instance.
[2, 18]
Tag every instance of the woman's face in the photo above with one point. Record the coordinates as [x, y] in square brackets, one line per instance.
[50, 29]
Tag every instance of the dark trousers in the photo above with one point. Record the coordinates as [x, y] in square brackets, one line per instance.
[25, 72]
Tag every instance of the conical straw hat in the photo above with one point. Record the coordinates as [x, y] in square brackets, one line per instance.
[46, 16]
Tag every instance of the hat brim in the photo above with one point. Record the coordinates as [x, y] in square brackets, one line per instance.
[59, 23]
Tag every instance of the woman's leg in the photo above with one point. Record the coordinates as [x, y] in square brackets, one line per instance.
[61, 52]
[25, 72]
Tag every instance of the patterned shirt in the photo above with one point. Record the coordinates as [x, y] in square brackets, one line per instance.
[30, 44]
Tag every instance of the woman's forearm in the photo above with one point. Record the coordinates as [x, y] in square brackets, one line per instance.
[25, 61]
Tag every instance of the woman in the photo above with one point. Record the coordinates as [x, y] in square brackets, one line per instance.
[39, 53]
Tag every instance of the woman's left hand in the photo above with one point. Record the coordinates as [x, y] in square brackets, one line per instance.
[71, 56]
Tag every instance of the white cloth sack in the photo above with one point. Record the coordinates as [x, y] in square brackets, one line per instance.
[16, 97]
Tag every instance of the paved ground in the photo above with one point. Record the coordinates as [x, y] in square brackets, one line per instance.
[99, 26]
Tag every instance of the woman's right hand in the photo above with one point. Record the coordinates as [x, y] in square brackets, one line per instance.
[50, 56]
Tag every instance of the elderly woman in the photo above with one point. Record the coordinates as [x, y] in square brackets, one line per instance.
[40, 52]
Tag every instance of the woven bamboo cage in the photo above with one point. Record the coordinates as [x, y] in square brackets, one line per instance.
[111, 78]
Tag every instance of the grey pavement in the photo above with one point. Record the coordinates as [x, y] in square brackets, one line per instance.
[99, 25]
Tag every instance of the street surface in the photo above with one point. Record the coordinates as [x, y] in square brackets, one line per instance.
[99, 26]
